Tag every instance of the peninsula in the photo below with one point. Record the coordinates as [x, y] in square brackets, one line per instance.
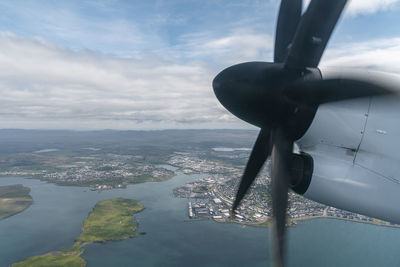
[110, 219]
[14, 199]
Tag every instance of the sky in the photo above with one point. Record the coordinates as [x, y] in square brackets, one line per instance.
[149, 64]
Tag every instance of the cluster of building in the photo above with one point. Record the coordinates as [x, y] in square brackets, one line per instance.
[206, 201]
[100, 172]
[189, 164]
[106, 175]
[22, 173]
[100, 187]
[212, 197]
[86, 173]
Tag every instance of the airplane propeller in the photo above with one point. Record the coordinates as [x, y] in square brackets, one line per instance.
[282, 98]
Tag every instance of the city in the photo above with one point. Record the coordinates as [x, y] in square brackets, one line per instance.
[212, 197]
[208, 198]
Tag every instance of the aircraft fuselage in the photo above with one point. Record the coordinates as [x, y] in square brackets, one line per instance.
[356, 153]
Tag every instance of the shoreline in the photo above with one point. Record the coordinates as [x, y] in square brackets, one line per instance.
[95, 228]
[293, 222]
[377, 223]
[89, 186]
[18, 212]
[14, 199]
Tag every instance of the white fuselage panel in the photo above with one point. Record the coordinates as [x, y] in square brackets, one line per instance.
[356, 155]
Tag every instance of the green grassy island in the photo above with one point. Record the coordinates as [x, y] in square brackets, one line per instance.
[14, 199]
[110, 219]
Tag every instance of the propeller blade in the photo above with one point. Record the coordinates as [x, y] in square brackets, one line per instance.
[288, 19]
[313, 33]
[281, 156]
[323, 91]
[258, 156]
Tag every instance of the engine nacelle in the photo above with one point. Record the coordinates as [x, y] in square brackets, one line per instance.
[356, 152]
[338, 182]
[302, 170]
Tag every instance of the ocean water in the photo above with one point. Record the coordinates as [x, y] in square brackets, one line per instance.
[55, 219]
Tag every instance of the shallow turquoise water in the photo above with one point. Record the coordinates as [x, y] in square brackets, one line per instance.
[56, 216]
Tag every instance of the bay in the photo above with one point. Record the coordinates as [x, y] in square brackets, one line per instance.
[55, 219]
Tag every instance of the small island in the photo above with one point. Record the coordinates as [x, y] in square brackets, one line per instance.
[14, 199]
[110, 219]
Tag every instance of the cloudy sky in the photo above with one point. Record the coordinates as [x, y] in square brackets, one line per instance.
[149, 64]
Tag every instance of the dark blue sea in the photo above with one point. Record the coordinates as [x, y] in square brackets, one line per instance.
[56, 215]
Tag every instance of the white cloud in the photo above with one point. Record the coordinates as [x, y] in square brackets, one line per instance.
[238, 45]
[49, 86]
[381, 54]
[355, 7]
[44, 85]
[369, 6]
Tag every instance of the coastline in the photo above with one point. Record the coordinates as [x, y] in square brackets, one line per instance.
[109, 220]
[293, 222]
[8, 216]
[376, 222]
[91, 185]
[14, 199]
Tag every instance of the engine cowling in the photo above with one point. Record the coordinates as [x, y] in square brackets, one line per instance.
[355, 152]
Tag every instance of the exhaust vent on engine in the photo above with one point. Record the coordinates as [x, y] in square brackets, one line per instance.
[302, 169]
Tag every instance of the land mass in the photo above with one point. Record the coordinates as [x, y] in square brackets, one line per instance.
[14, 199]
[212, 198]
[110, 219]
[106, 159]
[113, 159]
